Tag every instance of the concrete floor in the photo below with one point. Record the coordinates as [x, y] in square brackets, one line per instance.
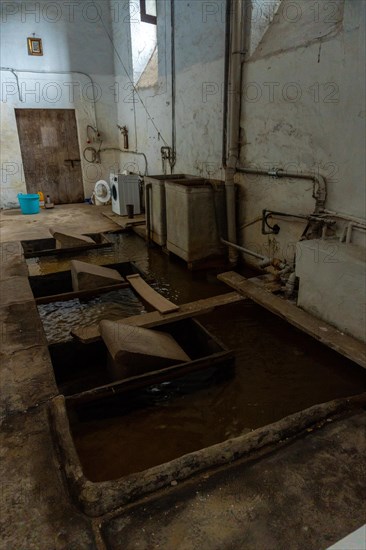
[306, 493]
[79, 218]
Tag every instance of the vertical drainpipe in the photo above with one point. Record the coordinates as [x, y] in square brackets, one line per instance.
[233, 135]
[172, 16]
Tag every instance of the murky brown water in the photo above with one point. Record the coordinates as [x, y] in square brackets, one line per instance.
[128, 247]
[59, 318]
[170, 277]
[278, 371]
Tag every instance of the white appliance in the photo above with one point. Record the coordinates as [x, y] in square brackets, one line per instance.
[102, 193]
[125, 189]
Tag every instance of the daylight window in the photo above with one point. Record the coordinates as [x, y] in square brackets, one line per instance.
[148, 11]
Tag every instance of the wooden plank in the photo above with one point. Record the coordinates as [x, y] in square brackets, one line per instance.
[338, 341]
[124, 222]
[32, 248]
[267, 282]
[150, 295]
[90, 334]
[80, 294]
[151, 378]
[65, 251]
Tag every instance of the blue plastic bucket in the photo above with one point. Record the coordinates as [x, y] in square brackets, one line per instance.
[29, 204]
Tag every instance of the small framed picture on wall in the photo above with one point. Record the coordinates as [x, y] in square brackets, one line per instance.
[35, 46]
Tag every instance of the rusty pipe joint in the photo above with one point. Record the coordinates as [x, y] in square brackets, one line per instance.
[319, 182]
[273, 173]
[319, 188]
[278, 264]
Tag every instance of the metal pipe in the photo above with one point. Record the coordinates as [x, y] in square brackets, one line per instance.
[346, 217]
[343, 234]
[226, 81]
[265, 261]
[349, 233]
[148, 187]
[235, 72]
[290, 285]
[174, 139]
[346, 235]
[319, 189]
[244, 250]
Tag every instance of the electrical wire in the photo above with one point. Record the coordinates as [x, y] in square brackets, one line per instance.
[95, 130]
[127, 152]
[95, 155]
[15, 71]
[18, 85]
[252, 222]
[128, 76]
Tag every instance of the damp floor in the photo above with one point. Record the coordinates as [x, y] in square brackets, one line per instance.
[309, 494]
[278, 370]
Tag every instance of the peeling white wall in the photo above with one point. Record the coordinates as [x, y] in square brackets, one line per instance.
[303, 108]
[143, 42]
[261, 13]
[73, 40]
[200, 78]
[199, 58]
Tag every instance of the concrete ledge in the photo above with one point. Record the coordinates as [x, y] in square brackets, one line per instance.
[86, 276]
[304, 496]
[100, 498]
[26, 380]
[15, 290]
[21, 327]
[37, 512]
[68, 239]
[136, 350]
[342, 343]
[26, 373]
[12, 263]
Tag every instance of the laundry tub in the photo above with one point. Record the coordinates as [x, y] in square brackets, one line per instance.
[196, 218]
[158, 204]
[29, 204]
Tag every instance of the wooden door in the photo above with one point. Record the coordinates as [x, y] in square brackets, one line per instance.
[50, 152]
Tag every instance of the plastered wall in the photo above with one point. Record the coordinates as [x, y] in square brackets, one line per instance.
[303, 109]
[199, 30]
[74, 39]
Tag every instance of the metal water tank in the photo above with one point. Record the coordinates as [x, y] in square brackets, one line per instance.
[196, 218]
[158, 203]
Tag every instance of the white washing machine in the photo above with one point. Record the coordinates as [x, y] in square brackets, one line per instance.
[102, 193]
[125, 189]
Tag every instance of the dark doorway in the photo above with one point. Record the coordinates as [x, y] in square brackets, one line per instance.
[50, 153]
